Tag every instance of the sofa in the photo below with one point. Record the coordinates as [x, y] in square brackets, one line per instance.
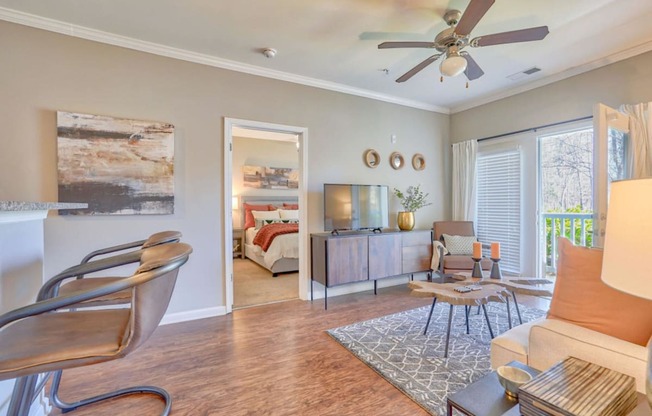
[587, 319]
[544, 342]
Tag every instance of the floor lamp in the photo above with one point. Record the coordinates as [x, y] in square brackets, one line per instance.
[627, 245]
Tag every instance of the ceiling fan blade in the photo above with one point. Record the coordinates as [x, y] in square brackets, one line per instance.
[523, 35]
[473, 70]
[390, 45]
[472, 15]
[412, 72]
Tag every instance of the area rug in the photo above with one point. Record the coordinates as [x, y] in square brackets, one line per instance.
[395, 347]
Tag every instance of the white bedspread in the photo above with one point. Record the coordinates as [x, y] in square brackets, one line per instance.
[283, 246]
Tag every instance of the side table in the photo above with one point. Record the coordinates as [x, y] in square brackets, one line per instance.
[238, 243]
[485, 397]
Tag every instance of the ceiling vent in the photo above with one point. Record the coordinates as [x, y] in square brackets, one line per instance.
[523, 74]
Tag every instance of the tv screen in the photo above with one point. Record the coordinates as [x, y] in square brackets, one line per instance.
[355, 207]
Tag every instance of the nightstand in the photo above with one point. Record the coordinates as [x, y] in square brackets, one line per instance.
[238, 243]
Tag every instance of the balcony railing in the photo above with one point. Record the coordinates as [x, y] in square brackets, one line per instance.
[576, 227]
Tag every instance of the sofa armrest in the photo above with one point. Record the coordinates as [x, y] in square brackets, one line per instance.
[552, 340]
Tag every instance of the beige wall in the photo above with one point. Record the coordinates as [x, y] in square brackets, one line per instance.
[624, 82]
[43, 72]
[261, 152]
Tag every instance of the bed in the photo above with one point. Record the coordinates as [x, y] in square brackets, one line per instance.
[282, 254]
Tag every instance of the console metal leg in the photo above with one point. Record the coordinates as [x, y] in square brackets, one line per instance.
[509, 312]
[325, 297]
[432, 308]
[518, 312]
[311, 295]
[375, 287]
[448, 331]
[491, 332]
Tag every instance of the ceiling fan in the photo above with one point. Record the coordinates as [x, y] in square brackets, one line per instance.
[451, 42]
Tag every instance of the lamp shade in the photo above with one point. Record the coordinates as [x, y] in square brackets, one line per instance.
[628, 238]
[234, 202]
[453, 65]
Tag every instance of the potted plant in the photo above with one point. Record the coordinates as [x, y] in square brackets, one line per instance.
[411, 200]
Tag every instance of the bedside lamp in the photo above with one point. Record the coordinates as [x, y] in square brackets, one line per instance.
[234, 203]
[627, 245]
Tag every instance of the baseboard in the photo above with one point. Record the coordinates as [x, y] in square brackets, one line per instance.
[172, 318]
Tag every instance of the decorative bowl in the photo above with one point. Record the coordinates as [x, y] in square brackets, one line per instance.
[511, 378]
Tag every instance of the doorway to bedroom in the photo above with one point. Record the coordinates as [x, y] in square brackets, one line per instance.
[264, 194]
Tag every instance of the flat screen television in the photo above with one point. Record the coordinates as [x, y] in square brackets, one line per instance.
[355, 207]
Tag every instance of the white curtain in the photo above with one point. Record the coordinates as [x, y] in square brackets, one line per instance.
[639, 151]
[463, 198]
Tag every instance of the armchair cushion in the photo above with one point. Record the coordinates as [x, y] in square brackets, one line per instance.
[580, 297]
[459, 244]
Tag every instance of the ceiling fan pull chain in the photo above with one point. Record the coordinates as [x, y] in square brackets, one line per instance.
[441, 78]
[467, 85]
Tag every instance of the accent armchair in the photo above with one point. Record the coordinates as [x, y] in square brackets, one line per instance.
[40, 337]
[453, 263]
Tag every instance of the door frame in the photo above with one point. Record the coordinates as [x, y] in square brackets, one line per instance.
[227, 218]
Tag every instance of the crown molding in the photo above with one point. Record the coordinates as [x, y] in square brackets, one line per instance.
[571, 72]
[82, 32]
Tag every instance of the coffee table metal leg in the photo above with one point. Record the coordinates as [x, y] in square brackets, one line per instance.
[466, 313]
[491, 332]
[434, 300]
[448, 331]
[518, 312]
[509, 312]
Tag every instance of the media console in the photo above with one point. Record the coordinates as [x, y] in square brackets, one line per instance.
[358, 257]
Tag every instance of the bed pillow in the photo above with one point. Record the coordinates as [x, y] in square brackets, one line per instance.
[289, 214]
[249, 218]
[260, 223]
[290, 206]
[459, 245]
[582, 298]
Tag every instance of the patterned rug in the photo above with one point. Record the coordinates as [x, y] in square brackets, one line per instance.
[395, 347]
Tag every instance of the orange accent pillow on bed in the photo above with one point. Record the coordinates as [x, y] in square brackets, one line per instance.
[249, 217]
[582, 298]
[290, 206]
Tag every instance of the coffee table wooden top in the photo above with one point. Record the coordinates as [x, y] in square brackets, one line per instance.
[522, 285]
[445, 292]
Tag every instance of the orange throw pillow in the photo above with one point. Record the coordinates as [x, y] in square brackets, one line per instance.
[249, 217]
[582, 298]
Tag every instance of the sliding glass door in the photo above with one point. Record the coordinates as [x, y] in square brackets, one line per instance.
[611, 134]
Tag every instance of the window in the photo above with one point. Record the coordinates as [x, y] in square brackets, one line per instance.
[499, 205]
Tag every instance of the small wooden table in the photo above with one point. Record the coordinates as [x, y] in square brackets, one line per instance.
[446, 293]
[485, 397]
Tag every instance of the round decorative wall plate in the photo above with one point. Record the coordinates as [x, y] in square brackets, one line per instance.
[371, 158]
[418, 162]
[396, 160]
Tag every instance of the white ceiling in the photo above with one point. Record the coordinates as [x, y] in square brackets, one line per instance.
[333, 43]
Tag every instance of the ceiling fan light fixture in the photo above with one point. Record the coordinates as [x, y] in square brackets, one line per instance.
[453, 65]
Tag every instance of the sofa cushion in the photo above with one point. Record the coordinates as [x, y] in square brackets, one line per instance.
[551, 340]
[511, 345]
[582, 298]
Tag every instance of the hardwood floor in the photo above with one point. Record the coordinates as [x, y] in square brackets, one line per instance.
[269, 360]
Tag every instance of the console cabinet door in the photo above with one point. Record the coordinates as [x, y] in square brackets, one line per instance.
[346, 260]
[384, 255]
[417, 251]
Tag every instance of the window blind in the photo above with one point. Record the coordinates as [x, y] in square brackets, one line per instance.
[499, 205]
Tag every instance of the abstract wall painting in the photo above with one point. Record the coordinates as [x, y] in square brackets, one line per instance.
[118, 166]
[262, 177]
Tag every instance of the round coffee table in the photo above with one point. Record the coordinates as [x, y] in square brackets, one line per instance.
[446, 293]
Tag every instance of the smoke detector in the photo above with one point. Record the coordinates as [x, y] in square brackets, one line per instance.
[269, 52]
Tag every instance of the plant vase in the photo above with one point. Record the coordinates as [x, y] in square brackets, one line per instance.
[405, 220]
